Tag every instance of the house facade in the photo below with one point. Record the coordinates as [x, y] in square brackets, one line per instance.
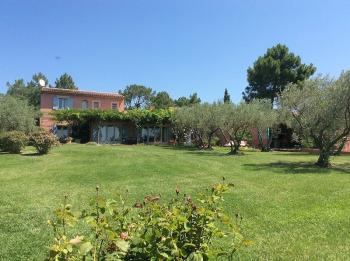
[58, 99]
[101, 132]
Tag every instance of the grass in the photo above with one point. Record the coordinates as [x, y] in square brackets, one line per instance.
[292, 210]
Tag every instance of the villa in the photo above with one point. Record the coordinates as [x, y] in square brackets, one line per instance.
[100, 132]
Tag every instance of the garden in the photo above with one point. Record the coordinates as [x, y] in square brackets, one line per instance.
[218, 191]
[290, 208]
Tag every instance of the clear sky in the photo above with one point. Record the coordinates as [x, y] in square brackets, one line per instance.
[179, 46]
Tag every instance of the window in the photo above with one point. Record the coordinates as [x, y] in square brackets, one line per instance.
[96, 104]
[84, 104]
[114, 106]
[60, 103]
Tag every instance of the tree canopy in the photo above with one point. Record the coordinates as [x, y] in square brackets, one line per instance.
[137, 96]
[16, 115]
[65, 81]
[184, 101]
[320, 109]
[273, 71]
[162, 100]
[29, 91]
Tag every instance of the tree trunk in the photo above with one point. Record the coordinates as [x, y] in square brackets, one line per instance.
[323, 159]
[209, 141]
[234, 148]
[264, 147]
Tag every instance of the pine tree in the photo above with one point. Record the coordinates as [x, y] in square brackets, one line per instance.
[227, 98]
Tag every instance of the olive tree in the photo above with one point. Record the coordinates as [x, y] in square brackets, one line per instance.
[210, 117]
[264, 119]
[320, 109]
[16, 115]
[181, 123]
[199, 120]
[237, 122]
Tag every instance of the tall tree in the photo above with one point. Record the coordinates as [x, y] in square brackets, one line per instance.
[65, 81]
[137, 96]
[320, 109]
[29, 91]
[191, 100]
[273, 71]
[227, 98]
[17, 89]
[162, 100]
[34, 89]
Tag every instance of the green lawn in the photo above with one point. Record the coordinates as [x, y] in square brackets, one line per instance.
[292, 210]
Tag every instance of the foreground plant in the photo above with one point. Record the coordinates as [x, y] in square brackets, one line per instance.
[182, 229]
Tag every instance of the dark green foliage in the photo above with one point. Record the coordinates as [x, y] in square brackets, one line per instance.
[34, 89]
[29, 92]
[65, 81]
[13, 141]
[43, 141]
[182, 229]
[162, 100]
[227, 98]
[16, 114]
[17, 89]
[184, 101]
[272, 72]
[137, 96]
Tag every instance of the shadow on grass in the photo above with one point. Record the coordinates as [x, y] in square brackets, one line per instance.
[297, 168]
[201, 152]
[32, 154]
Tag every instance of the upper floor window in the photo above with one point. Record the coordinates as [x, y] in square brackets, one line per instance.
[84, 104]
[62, 103]
[96, 104]
[114, 105]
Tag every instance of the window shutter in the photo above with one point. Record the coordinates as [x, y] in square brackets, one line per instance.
[55, 103]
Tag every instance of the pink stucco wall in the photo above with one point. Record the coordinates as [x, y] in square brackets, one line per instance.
[347, 146]
[47, 97]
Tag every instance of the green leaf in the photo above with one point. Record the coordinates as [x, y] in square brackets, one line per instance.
[85, 248]
[122, 245]
[195, 256]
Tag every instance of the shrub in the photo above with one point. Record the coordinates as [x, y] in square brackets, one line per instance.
[13, 141]
[43, 141]
[66, 140]
[182, 229]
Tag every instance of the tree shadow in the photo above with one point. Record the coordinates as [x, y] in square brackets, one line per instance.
[179, 147]
[297, 168]
[31, 154]
[194, 150]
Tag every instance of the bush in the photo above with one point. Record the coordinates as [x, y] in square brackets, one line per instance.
[66, 140]
[43, 141]
[13, 141]
[182, 229]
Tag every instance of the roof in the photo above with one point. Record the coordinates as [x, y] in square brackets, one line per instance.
[81, 92]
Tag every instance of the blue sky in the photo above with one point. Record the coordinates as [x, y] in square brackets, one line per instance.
[179, 46]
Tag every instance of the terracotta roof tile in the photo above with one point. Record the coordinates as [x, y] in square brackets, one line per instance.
[81, 92]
